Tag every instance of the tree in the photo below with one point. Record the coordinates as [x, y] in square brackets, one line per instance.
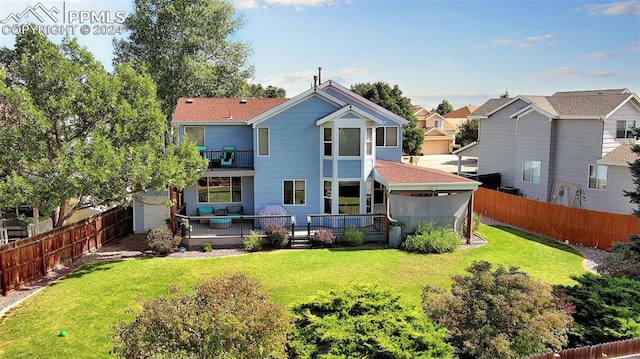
[606, 309]
[224, 317]
[75, 136]
[363, 322]
[501, 314]
[257, 91]
[444, 108]
[187, 48]
[625, 259]
[391, 98]
[467, 132]
[505, 94]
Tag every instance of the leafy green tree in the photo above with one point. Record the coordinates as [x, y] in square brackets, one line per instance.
[606, 309]
[75, 136]
[363, 322]
[257, 91]
[224, 317]
[625, 259]
[187, 47]
[444, 108]
[467, 132]
[505, 94]
[391, 98]
[499, 314]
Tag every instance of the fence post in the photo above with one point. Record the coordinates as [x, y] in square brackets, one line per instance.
[293, 231]
[42, 261]
[308, 227]
[5, 276]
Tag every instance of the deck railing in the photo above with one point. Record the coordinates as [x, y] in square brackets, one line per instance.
[374, 225]
[230, 226]
[241, 159]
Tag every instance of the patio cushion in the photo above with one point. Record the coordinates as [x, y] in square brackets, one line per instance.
[204, 211]
[219, 222]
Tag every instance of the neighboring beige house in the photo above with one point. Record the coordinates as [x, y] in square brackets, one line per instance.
[571, 148]
[453, 119]
[438, 136]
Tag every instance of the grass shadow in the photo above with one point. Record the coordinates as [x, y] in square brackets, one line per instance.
[363, 247]
[549, 242]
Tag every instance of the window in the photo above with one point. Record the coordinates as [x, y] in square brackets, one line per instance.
[349, 142]
[531, 171]
[369, 144]
[369, 201]
[387, 136]
[219, 189]
[263, 141]
[349, 197]
[195, 134]
[624, 128]
[438, 124]
[327, 138]
[294, 192]
[327, 197]
[598, 177]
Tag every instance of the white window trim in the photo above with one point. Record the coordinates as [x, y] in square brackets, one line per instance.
[522, 173]
[268, 141]
[294, 192]
[360, 146]
[204, 134]
[606, 180]
[230, 189]
[324, 142]
[627, 129]
[384, 140]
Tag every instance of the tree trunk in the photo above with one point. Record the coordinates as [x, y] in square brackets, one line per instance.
[61, 214]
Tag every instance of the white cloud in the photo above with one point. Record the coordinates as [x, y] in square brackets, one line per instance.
[247, 4]
[298, 4]
[566, 72]
[432, 100]
[477, 47]
[300, 81]
[634, 46]
[616, 8]
[599, 55]
[540, 37]
[352, 71]
[515, 43]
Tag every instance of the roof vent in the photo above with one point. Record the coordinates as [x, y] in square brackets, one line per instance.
[189, 100]
[243, 101]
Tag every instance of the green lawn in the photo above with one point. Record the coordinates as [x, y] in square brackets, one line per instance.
[91, 301]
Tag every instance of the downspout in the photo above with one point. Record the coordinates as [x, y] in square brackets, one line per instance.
[391, 220]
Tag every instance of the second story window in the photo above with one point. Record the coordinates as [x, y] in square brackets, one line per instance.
[624, 128]
[195, 134]
[438, 124]
[387, 137]
[263, 141]
[349, 142]
[327, 139]
[369, 144]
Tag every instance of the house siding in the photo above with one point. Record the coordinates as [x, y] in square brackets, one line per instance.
[218, 136]
[350, 168]
[294, 155]
[497, 147]
[627, 112]
[327, 168]
[613, 199]
[533, 142]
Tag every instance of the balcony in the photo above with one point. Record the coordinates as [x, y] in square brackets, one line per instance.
[228, 159]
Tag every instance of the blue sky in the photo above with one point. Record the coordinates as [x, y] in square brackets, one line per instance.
[463, 51]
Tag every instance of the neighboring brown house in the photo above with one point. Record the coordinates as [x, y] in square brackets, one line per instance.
[438, 138]
[455, 118]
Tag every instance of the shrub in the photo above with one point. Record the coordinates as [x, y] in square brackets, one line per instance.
[162, 241]
[225, 317]
[476, 220]
[322, 238]
[207, 247]
[624, 261]
[606, 309]
[431, 239]
[363, 322]
[277, 235]
[252, 242]
[353, 236]
[501, 314]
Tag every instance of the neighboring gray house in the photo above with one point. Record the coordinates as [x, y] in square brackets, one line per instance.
[571, 148]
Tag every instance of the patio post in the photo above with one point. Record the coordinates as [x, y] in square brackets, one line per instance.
[469, 219]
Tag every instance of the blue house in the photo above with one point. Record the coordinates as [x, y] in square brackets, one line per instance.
[322, 156]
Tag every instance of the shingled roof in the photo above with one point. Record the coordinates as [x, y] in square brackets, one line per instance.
[222, 109]
[462, 112]
[621, 156]
[400, 175]
[591, 103]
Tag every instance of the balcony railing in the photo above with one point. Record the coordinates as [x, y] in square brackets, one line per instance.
[223, 160]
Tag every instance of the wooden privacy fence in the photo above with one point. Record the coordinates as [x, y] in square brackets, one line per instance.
[590, 228]
[605, 350]
[27, 260]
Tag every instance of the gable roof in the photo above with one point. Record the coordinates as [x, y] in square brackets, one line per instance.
[400, 176]
[590, 104]
[462, 112]
[222, 109]
[345, 110]
[620, 156]
[420, 111]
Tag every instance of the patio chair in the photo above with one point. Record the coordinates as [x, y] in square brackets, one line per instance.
[228, 154]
